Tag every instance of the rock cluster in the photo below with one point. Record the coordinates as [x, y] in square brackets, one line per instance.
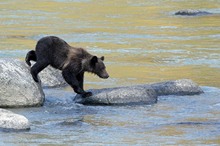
[18, 89]
[140, 94]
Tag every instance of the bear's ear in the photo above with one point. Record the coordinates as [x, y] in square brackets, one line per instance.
[102, 58]
[94, 60]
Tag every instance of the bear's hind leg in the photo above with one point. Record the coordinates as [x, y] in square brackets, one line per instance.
[38, 67]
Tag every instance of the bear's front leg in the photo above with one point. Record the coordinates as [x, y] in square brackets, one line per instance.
[79, 90]
[80, 78]
[71, 79]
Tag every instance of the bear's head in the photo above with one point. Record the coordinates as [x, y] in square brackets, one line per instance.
[98, 67]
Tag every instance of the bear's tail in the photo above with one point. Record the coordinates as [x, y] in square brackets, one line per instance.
[30, 56]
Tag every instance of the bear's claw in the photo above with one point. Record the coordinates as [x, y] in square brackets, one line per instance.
[87, 94]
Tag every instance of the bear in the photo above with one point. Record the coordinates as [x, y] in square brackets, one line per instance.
[72, 61]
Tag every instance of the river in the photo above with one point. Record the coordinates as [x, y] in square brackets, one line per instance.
[143, 42]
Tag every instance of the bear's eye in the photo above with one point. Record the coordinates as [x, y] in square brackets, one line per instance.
[102, 68]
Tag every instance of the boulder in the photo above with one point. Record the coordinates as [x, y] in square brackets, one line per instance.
[177, 87]
[51, 77]
[120, 96]
[11, 121]
[189, 12]
[139, 94]
[18, 89]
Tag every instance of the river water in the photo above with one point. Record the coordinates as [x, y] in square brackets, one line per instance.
[143, 42]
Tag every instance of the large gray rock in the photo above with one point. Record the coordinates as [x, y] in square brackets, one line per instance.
[189, 12]
[120, 96]
[140, 94]
[177, 87]
[51, 77]
[12, 121]
[18, 89]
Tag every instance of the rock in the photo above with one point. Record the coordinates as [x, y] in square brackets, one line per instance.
[51, 77]
[119, 96]
[192, 13]
[18, 89]
[139, 94]
[177, 87]
[11, 121]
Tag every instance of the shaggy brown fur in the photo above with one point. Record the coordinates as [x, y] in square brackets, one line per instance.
[72, 61]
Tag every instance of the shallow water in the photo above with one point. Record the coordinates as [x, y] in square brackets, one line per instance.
[174, 120]
[142, 42]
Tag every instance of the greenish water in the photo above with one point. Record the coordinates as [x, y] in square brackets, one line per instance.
[143, 42]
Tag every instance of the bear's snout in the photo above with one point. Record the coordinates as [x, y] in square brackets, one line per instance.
[104, 75]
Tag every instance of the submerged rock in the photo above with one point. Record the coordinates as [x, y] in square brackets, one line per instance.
[11, 121]
[120, 96]
[71, 122]
[18, 89]
[192, 13]
[139, 94]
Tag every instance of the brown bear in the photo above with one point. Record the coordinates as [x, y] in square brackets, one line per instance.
[73, 62]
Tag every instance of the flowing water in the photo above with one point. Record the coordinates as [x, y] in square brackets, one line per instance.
[143, 42]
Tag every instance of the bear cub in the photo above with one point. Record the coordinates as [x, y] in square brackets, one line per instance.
[72, 61]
